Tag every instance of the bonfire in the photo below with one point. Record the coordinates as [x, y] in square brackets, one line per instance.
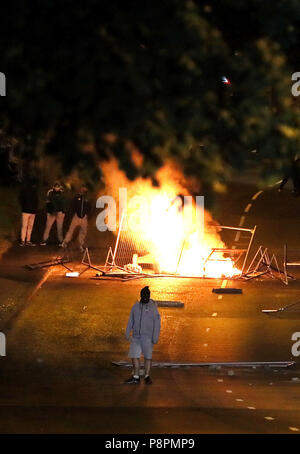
[167, 227]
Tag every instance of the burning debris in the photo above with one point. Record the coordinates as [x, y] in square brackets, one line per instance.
[161, 232]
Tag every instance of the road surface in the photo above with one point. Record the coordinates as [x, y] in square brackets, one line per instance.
[63, 333]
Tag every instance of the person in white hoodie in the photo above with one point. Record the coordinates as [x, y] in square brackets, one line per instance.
[144, 323]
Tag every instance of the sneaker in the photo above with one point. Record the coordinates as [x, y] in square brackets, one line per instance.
[29, 243]
[63, 244]
[132, 381]
[43, 243]
[148, 380]
[22, 243]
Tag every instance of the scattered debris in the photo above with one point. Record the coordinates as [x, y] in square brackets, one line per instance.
[264, 265]
[271, 311]
[133, 268]
[227, 290]
[292, 310]
[47, 263]
[86, 260]
[287, 262]
[169, 303]
[281, 364]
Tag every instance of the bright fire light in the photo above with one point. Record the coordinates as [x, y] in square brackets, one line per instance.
[157, 221]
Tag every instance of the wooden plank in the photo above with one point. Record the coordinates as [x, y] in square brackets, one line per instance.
[277, 364]
[169, 303]
[271, 311]
[34, 266]
[227, 290]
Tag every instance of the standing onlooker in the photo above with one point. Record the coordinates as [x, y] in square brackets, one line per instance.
[56, 206]
[144, 322]
[81, 208]
[29, 204]
[293, 173]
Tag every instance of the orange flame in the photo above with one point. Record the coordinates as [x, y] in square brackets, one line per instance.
[173, 240]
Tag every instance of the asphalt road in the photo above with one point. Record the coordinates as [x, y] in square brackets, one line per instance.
[57, 376]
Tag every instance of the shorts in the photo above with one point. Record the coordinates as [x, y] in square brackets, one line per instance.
[140, 346]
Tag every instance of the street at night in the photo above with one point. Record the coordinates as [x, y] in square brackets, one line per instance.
[149, 222]
[61, 342]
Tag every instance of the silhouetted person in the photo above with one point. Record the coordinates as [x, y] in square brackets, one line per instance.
[56, 207]
[178, 202]
[29, 204]
[144, 322]
[81, 208]
[293, 173]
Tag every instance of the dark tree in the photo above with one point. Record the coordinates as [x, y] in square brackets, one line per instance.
[87, 78]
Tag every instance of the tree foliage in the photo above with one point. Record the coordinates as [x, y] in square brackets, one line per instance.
[88, 78]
